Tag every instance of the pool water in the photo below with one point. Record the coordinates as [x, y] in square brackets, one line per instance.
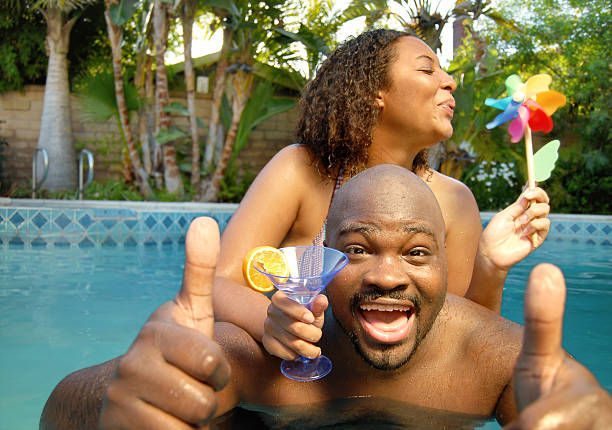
[63, 309]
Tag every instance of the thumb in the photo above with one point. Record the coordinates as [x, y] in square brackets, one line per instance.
[541, 354]
[195, 298]
[317, 307]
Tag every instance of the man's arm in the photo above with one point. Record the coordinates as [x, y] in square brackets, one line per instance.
[76, 401]
[170, 376]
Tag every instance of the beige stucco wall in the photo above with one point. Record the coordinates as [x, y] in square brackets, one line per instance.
[20, 115]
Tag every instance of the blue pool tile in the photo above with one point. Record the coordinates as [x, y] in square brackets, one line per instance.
[16, 240]
[590, 228]
[39, 220]
[130, 223]
[62, 221]
[559, 227]
[86, 242]
[167, 221]
[109, 242]
[130, 242]
[607, 229]
[167, 241]
[182, 222]
[150, 221]
[108, 223]
[606, 242]
[61, 242]
[113, 213]
[39, 242]
[159, 230]
[119, 229]
[16, 219]
[149, 241]
[85, 220]
[181, 239]
[97, 228]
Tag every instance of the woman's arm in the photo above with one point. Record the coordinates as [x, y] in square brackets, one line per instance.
[286, 205]
[510, 236]
[478, 262]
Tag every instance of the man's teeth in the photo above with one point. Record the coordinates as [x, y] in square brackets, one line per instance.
[386, 308]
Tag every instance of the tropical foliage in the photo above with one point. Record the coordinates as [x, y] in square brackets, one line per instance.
[272, 48]
[572, 41]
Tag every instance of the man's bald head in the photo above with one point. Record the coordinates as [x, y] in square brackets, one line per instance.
[385, 190]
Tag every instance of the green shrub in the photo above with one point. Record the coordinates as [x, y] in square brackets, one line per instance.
[581, 183]
[234, 186]
[495, 184]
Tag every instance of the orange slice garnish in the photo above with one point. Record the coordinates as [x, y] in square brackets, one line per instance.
[268, 258]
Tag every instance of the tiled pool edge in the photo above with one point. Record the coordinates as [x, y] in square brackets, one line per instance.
[65, 223]
[593, 229]
[41, 223]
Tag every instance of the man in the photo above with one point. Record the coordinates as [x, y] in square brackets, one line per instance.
[393, 333]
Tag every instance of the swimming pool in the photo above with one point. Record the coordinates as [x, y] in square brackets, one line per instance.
[68, 304]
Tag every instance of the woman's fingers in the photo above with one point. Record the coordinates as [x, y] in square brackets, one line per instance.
[291, 329]
[285, 334]
[536, 194]
[538, 225]
[290, 348]
[278, 349]
[291, 308]
[536, 210]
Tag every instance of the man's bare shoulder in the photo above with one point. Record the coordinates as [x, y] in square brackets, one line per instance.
[482, 331]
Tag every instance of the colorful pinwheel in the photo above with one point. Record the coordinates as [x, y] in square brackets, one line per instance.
[530, 105]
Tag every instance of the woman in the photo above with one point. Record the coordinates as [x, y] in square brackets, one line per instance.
[379, 98]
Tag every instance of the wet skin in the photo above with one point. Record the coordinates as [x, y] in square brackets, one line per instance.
[395, 281]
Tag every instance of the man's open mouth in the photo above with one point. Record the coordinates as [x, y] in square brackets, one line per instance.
[387, 322]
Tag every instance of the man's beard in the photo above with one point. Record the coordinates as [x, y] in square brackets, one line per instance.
[385, 362]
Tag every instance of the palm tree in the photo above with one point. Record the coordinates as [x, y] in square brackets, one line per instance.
[214, 122]
[422, 18]
[115, 35]
[247, 26]
[172, 177]
[187, 11]
[55, 125]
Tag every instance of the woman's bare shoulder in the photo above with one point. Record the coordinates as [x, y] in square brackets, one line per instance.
[448, 189]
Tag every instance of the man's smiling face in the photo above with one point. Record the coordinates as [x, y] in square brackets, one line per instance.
[388, 296]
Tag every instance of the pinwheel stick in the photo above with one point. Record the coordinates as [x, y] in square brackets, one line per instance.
[530, 169]
[529, 156]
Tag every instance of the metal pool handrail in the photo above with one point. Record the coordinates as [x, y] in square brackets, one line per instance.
[90, 172]
[35, 184]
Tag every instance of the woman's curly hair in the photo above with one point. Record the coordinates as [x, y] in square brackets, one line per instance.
[337, 108]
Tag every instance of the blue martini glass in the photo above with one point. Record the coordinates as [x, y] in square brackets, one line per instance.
[311, 268]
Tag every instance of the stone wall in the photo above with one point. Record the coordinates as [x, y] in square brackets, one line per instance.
[20, 115]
